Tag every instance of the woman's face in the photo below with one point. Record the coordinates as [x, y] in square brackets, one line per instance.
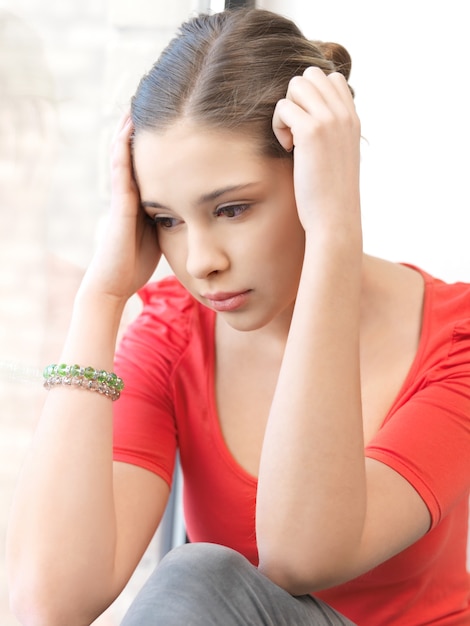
[226, 218]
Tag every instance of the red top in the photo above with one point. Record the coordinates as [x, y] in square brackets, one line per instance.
[167, 361]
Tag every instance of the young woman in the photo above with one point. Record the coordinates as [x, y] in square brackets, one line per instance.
[319, 398]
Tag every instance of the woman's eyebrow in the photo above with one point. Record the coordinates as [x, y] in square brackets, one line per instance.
[152, 205]
[213, 195]
[205, 198]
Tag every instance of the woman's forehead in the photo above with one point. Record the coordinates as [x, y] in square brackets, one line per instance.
[186, 130]
[189, 163]
[188, 147]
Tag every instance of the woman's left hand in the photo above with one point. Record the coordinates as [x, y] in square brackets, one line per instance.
[318, 120]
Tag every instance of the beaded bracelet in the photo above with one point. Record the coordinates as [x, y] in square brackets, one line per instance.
[106, 383]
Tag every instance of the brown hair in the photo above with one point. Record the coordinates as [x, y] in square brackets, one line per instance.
[228, 70]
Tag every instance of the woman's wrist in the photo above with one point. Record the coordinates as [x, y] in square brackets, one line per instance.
[91, 295]
[93, 330]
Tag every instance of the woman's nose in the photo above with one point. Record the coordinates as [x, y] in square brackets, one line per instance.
[205, 254]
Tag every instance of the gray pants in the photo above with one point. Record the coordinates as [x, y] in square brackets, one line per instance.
[203, 584]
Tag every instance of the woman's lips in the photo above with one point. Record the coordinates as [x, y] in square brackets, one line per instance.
[222, 302]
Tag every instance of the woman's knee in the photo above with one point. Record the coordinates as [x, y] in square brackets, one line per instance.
[192, 581]
[209, 585]
[204, 559]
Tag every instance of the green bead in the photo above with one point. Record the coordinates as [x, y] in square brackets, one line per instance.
[115, 382]
[89, 373]
[111, 379]
[62, 369]
[49, 371]
[74, 370]
[102, 376]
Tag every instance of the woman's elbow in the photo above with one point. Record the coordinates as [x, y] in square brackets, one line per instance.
[285, 578]
[34, 605]
[31, 610]
[301, 574]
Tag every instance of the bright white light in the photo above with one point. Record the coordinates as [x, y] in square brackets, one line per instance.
[217, 5]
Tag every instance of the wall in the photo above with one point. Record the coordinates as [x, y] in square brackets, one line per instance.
[67, 70]
[409, 73]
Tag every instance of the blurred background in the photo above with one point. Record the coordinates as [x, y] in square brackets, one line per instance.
[67, 71]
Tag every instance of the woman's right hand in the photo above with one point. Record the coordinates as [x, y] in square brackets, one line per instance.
[128, 252]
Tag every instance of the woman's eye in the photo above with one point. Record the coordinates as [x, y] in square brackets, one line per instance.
[161, 221]
[231, 210]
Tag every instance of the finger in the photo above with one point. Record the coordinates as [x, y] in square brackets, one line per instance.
[280, 127]
[307, 91]
[315, 90]
[340, 84]
[120, 125]
[121, 150]
[122, 177]
[287, 116]
[304, 110]
[345, 108]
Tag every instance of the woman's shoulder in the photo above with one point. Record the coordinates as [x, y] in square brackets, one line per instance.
[433, 313]
[169, 320]
[446, 302]
[445, 332]
[457, 286]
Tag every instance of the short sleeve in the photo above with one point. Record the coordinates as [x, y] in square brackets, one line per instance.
[427, 438]
[144, 421]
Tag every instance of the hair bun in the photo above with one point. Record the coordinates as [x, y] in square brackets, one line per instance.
[338, 55]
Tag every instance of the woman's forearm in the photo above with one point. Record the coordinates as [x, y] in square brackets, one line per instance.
[64, 547]
[62, 531]
[311, 493]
